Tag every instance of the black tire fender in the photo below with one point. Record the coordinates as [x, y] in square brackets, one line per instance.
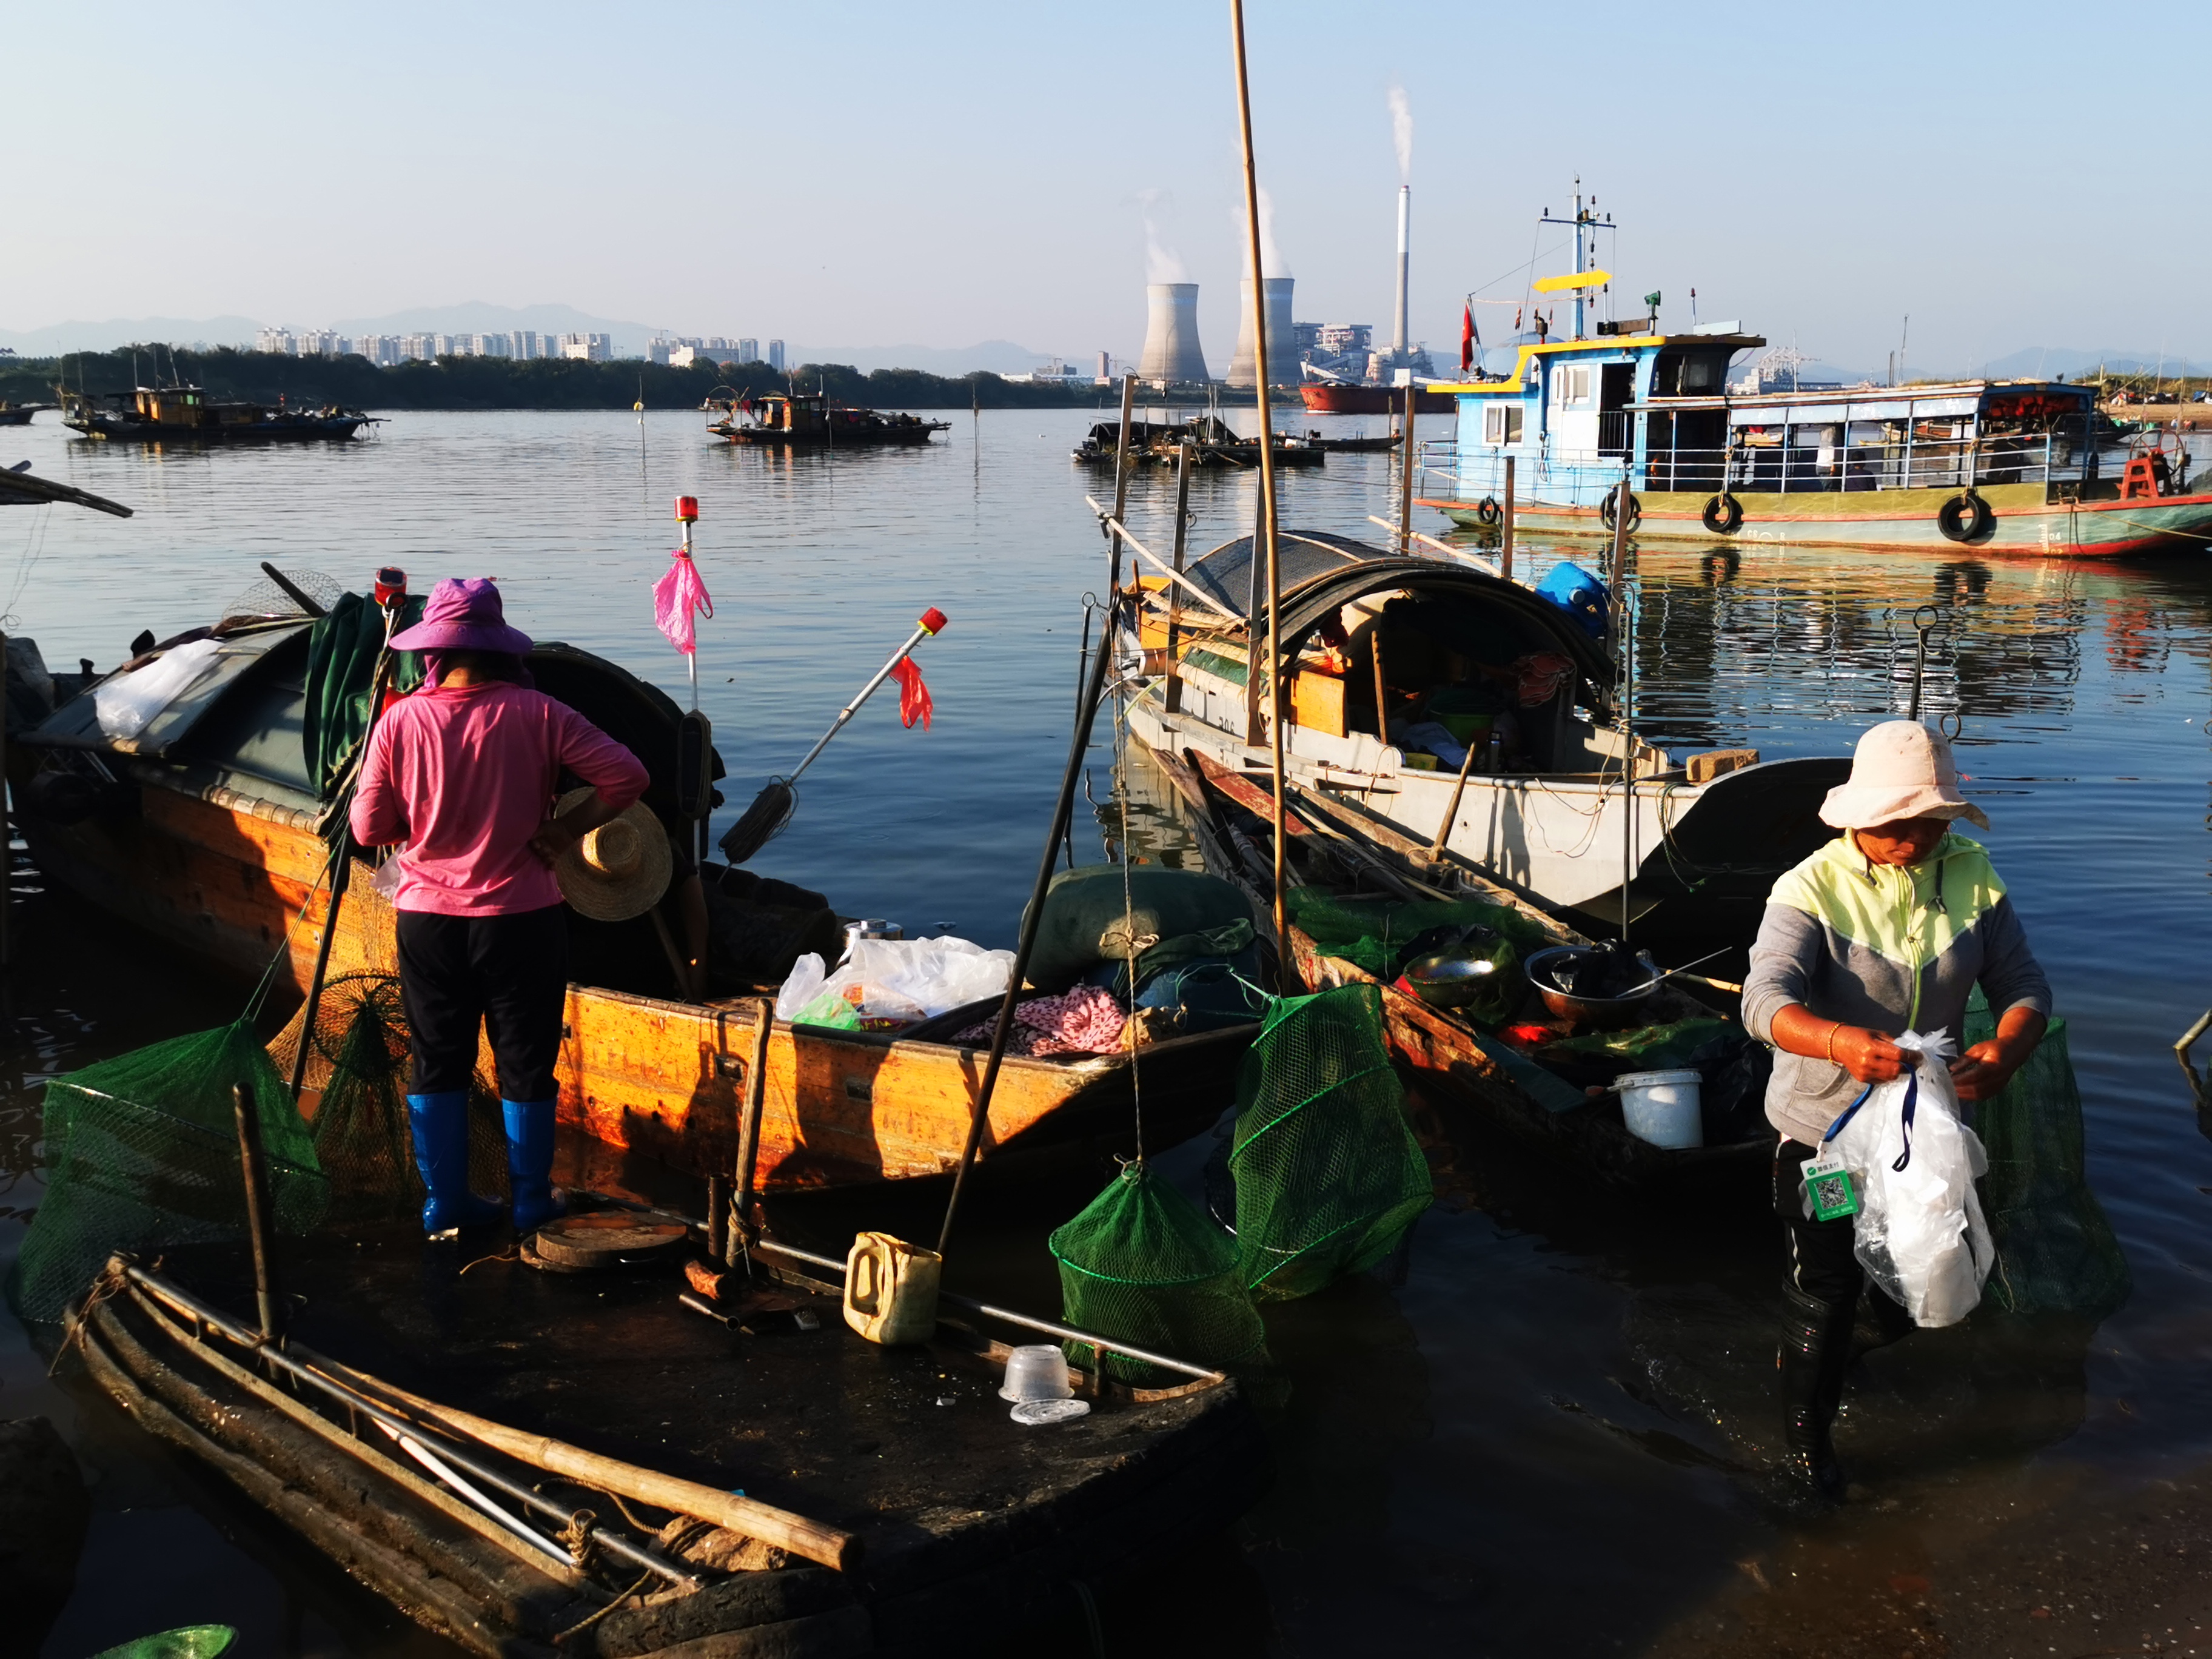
[1965, 518]
[1487, 513]
[1608, 511]
[1724, 514]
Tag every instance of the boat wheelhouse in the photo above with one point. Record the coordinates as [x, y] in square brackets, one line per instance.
[186, 414]
[2022, 466]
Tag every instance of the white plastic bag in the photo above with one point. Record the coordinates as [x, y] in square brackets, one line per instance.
[887, 984]
[1920, 1233]
[126, 702]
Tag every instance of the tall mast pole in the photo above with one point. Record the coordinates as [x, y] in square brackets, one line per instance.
[1580, 266]
[1285, 967]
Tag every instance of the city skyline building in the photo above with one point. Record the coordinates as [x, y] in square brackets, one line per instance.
[775, 356]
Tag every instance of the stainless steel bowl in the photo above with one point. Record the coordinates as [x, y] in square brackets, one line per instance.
[1606, 1014]
[1449, 979]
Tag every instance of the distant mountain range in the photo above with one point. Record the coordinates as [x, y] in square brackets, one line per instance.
[478, 317]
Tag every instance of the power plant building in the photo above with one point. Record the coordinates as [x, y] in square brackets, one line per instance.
[1171, 354]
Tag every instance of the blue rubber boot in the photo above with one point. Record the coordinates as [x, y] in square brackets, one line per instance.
[440, 1126]
[530, 1162]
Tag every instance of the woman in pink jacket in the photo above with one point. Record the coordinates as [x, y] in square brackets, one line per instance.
[461, 776]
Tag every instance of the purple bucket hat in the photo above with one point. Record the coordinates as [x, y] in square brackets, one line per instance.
[464, 614]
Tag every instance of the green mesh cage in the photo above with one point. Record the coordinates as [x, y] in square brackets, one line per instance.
[1328, 1175]
[359, 1066]
[2056, 1251]
[142, 1153]
[1376, 934]
[1145, 1265]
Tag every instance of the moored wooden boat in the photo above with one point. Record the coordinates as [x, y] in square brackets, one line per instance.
[203, 830]
[185, 414]
[429, 1433]
[1510, 1088]
[1701, 839]
[811, 419]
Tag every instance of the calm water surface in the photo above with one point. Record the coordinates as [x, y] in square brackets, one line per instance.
[1538, 1429]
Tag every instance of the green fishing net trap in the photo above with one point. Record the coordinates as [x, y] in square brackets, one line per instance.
[142, 1153]
[355, 1083]
[1145, 1265]
[1328, 1175]
[2057, 1252]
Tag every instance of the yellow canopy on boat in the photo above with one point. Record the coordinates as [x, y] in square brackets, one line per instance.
[1580, 279]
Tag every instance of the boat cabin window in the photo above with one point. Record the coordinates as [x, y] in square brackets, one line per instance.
[1501, 424]
[1570, 387]
[1689, 375]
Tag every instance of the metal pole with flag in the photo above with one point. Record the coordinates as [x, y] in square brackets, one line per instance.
[678, 598]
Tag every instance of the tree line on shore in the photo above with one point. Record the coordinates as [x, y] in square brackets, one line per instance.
[507, 383]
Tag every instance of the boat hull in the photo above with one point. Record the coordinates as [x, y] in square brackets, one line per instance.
[1331, 398]
[282, 430]
[234, 881]
[1704, 855]
[2025, 521]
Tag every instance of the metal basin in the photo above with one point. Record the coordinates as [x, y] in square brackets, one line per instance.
[1606, 1014]
[1450, 979]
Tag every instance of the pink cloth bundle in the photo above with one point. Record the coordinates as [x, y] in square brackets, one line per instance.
[677, 598]
[1088, 1020]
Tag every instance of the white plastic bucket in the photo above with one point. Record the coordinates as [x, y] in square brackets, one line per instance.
[1661, 1108]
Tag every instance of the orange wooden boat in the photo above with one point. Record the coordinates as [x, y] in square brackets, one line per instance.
[202, 829]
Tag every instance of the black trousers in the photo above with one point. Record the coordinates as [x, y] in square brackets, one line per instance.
[509, 973]
[1821, 1260]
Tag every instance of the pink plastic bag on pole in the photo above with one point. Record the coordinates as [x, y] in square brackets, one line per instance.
[677, 598]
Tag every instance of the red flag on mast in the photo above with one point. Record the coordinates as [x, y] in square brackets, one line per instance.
[1466, 338]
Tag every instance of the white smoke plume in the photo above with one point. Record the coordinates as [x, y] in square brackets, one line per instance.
[1401, 133]
[1162, 262]
[1271, 257]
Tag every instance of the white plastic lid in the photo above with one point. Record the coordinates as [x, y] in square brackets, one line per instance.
[1649, 1079]
[1032, 1413]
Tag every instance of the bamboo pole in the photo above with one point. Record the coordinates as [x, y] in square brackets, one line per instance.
[813, 1539]
[1505, 530]
[1173, 703]
[1406, 477]
[1266, 472]
[253, 1171]
[749, 1130]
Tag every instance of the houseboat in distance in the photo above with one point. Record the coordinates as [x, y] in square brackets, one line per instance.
[810, 418]
[186, 415]
[2003, 465]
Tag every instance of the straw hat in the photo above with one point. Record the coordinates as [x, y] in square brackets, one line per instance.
[619, 869]
[1899, 770]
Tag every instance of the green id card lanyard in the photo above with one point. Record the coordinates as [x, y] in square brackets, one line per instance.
[1829, 1193]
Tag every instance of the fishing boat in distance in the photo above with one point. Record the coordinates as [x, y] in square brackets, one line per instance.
[811, 419]
[19, 414]
[2030, 466]
[1470, 671]
[186, 415]
[1213, 442]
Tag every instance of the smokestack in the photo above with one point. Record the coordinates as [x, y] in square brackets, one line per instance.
[1172, 352]
[1282, 353]
[1398, 342]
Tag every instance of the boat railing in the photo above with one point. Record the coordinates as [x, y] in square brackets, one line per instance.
[1918, 462]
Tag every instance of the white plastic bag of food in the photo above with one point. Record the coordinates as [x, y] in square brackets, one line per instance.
[802, 986]
[888, 984]
[126, 703]
[1920, 1233]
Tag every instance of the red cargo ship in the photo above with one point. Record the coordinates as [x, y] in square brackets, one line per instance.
[1336, 398]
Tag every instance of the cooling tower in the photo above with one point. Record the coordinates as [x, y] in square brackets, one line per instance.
[1172, 352]
[1398, 341]
[1282, 354]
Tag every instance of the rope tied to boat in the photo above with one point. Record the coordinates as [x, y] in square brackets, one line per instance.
[576, 1537]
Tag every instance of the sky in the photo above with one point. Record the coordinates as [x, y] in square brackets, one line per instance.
[2010, 175]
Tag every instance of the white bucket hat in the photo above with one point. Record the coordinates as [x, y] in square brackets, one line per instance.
[618, 871]
[1899, 770]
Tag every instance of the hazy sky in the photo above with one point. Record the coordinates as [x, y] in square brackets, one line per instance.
[2011, 174]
